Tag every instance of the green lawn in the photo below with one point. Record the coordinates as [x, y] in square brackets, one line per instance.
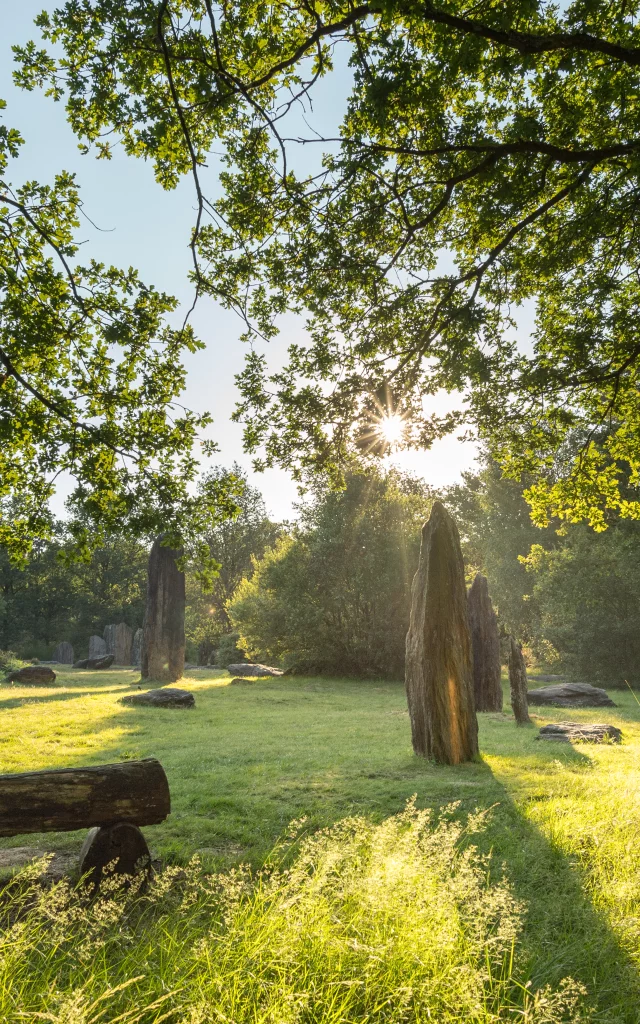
[564, 826]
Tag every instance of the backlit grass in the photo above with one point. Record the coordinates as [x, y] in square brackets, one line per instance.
[553, 889]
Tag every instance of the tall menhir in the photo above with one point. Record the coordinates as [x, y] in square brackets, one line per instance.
[485, 644]
[163, 631]
[439, 671]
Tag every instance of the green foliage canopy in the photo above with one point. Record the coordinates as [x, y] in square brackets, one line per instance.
[89, 378]
[487, 157]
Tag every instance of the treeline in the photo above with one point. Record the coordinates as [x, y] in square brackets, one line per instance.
[331, 592]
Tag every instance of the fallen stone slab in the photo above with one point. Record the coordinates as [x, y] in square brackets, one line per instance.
[105, 662]
[32, 675]
[571, 695]
[253, 670]
[580, 732]
[167, 697]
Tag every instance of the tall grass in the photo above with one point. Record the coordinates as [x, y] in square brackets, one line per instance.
[360, 922]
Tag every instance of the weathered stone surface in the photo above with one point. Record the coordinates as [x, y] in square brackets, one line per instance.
[122, 847]
[163, 640]
[105, 662]
[253, 670]
[32, 675]
[63, 653]
[123, 641]
[167, 697]
[97, 647]
[485, 644]
[136, 648]
[438, 667]
[580, 732]
[110, 639]
[518, 683]
[571, 695]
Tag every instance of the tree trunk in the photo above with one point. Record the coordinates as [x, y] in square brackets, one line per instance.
[518, 683]
[65, 799]
[485, 643]
[438, 670]
[163, 632]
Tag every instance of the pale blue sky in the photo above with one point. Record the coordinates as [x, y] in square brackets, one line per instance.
[147, 228]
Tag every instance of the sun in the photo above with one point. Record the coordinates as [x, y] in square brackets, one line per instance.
[391, 428]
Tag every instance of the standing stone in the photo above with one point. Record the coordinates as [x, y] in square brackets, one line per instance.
[518, 683]
[110, 639]
[136, 648]
[64, 653]
[485, 643]
[123, 638]
[438, 668]
[97, 647]
[163, 640]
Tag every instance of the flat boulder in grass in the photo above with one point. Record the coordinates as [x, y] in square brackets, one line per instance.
[580, 732]
[105, 662]
[571, 695]
[167, 697]
[33, 675]
[253, 670]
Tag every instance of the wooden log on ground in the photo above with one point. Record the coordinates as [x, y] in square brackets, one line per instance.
[65, 799]
[518, 683]
[438, 666]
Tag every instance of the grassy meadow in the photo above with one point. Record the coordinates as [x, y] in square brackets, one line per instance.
[520, 901]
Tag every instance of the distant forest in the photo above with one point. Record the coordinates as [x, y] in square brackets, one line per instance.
[330, 592]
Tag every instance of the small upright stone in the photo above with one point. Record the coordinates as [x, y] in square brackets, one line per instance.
[518, 683]
[123, 639]
[163, 641]
[485, 642]
[97, 647]
[63, 653]
[136, 648]
[110, 639]
[439, 673]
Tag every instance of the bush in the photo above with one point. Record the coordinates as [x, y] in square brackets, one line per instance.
[9, 662]
[229, 653]
[387, 923]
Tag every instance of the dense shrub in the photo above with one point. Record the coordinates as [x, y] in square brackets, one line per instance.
[335, 596]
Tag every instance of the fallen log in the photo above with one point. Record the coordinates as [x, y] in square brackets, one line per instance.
[66, 799]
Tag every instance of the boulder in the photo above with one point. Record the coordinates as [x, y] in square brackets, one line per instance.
[485, 643]
[97, 647]
[105, 662]
[580, 732]
[253, 670]
[438, 665]
[32, 675]
[518, 683]
[163, 640]
[63, 653]
[571, 695]
[136, 648]
[167, 697]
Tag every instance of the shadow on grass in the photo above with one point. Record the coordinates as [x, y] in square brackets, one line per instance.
[246, 761]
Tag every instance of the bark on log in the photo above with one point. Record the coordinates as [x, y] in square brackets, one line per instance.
[485, 643]
[122, 847]
[518, 683]
[65, 799]
[163, 639]
[438, 672]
